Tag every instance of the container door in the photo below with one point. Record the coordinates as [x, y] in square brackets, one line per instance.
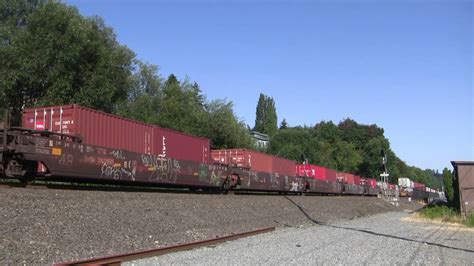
[148, 144]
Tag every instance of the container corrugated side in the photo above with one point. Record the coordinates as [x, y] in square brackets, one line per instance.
[94, 127]
[181, 146]
[331, 175]
[283, 167]
[256, 161]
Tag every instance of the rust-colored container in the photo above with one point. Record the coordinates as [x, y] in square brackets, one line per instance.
[283, 167]
[348, 178]
[357, 180]
[331, 174]
[94, 127]
[180, 146]
[256, 161]
[115, 132]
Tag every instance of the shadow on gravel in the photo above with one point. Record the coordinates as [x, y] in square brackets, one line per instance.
[105, 187]
[371, 232]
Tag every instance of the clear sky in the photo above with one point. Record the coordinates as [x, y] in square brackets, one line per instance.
[406, 66]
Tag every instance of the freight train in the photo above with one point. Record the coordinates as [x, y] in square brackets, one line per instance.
[73, 143]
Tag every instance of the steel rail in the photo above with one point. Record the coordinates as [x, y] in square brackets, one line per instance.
[119, 258]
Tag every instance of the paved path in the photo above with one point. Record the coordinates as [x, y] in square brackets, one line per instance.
[379, 239]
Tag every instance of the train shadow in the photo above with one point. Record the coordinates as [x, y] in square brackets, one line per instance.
[43, 184]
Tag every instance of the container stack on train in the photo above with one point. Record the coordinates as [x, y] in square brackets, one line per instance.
[120, 149]
[321, 179]
[406, 187]
[416, 190]
[257, 170]
[353, 184]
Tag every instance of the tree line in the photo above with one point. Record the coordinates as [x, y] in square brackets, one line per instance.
[348, 146]
[52, 55]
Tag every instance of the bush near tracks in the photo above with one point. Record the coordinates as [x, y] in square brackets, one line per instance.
[470, 220]
[446, 214]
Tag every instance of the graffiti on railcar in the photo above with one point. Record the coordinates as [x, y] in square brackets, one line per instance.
[118, 171]
[274, 180]
[108, 161]
[89, 159]
[66, 159]
[203, 173]
[117, 154]
[111, 171]
[217, 174]
[163, 169]
[101, 151]
[129, 169]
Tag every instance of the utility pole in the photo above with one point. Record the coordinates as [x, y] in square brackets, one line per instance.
[384, 176]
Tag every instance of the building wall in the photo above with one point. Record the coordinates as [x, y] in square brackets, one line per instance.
[466, 188]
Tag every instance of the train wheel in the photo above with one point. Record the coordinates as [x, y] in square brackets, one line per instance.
[24, 171]
[226, 186]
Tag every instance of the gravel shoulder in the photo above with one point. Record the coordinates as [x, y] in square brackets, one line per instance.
[42, 226]
[378, 239]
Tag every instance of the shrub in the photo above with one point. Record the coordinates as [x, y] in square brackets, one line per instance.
[443, 212]
[470, 220]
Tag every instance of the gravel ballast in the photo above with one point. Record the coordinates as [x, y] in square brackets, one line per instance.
[377, 240]
[43, 226]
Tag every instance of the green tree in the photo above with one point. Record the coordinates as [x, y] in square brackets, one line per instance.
[59, 57]
[448, 184]
[223, 127]
[260, 113]
[293, 143]
[284, 124]
[372, 159]
[266, 120]
[346, 157]
[144, 98]
[182, 107]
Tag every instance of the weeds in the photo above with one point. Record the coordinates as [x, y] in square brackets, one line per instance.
[446, 214]
[470, 220]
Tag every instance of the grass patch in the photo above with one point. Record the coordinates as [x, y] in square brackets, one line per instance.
[441, 212]
[446, 214]
[470, 220]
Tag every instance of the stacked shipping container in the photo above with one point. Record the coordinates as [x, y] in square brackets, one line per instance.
[349, 178]
[255, 161]
[372, 182]
[316, 172]
[106, 130]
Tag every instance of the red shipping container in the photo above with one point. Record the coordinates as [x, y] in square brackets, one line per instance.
[94, 127]
[331, 175]
[357, 180]
[348, 178]
[283, 167]
[316, 172]
[372, 182]
[306, 170]
[115, 132]
[177, 145]
[257, 161]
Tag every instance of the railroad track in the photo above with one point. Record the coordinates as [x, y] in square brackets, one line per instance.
[119, 258]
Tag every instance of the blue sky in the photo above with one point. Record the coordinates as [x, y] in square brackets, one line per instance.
[406, 66]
